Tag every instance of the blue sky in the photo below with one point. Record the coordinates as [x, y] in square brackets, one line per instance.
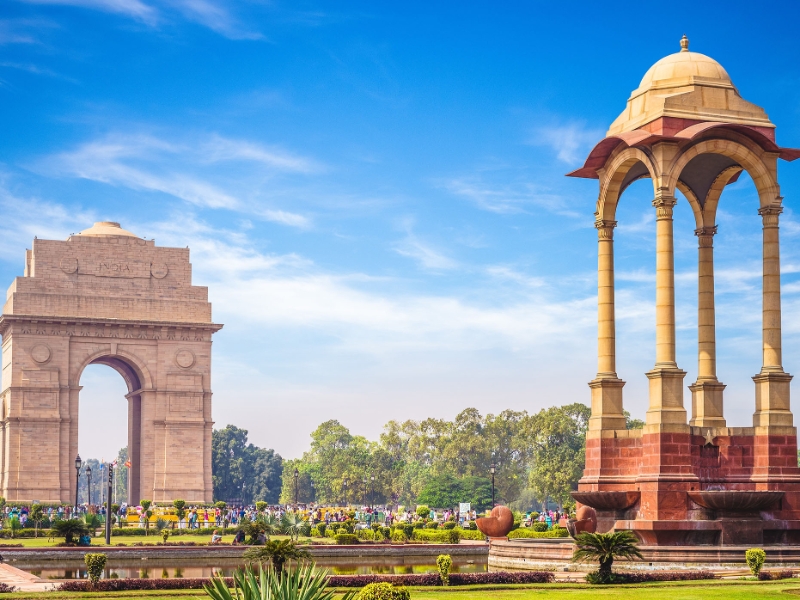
[375, 194]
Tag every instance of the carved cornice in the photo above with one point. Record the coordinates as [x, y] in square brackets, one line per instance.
[664, 205]
[107, 328]
[605, 229]
[705, 236]
[770, 215]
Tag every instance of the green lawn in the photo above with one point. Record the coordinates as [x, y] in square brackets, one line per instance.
[733, 590]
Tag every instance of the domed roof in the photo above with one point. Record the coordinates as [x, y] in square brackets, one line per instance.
[688, 86]
[104, 228]
[684, 68]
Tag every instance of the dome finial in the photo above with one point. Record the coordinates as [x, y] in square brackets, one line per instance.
[684, 43]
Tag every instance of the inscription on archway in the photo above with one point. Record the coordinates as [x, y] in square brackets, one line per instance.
[106, 296]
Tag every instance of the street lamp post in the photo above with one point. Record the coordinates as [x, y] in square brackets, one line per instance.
[365, 490]
[78, 463]
[344, 488]
[296, 475]
[108, 503]
[89, 482]
[492, 470]
[371, 490]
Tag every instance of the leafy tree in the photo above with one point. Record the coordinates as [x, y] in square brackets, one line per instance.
[241, 470]
[632, 423]
[37, 516]
[559, 451]
[180, 508]
[605, 547]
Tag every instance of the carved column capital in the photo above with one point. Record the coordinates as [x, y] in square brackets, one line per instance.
[770, 214]
[605, 229]
[664, 205]
[705, 236]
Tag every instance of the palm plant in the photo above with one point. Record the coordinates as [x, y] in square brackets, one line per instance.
[276, 552]
[301, 584]
[70, 528]
[605, 547]
[294, 525]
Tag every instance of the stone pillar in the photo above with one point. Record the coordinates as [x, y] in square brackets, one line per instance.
[606, 387]
[772, 383]
[666, 410]
[707, 390]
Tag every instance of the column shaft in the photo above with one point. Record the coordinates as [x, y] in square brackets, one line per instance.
[665, 284]
[706, 319]
[666, 412]
[606, 333]
[606, 387]
[707, 390]
[771, 325]
[773, 410]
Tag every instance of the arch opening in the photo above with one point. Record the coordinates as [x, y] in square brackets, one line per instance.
[108, 429]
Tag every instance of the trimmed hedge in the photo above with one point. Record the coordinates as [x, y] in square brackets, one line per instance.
[775, 575]
[346, 539]
[137, 531]
[125, 585]
[525, 532]
[432, 579]
[645, 576]
[432, 536]
[340, 581]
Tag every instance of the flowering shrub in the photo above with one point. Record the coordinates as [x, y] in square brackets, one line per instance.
[644, 577]
[775, 575]
[343, 581]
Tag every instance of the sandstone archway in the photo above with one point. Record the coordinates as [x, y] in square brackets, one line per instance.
[106, 296]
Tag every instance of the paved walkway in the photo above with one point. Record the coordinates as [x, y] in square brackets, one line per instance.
[22, 580]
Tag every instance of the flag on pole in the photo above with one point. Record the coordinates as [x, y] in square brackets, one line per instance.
[128, 464]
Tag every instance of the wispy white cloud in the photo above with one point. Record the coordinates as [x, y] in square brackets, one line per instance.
[218, 148]
[179, 169]
[130, 8]
[215, 16]
[35, 69]
[212, 14]
[428, 257]
[506, 198]
[571, 141]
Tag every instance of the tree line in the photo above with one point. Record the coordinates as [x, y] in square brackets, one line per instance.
[437, 462]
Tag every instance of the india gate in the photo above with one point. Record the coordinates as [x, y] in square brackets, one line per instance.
[690, 478]
[106, 296]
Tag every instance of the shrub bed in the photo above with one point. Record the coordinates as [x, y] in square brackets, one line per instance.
[644, 577]
[432, 536]
[346, 539]
[524, 532]
[342, 581]
[137, 531]
[775, 575]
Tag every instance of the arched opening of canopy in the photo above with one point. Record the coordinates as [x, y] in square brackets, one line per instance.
[108, 427]
[627, 167]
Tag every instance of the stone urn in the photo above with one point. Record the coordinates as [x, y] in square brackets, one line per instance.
[497, 524]
[586, 520]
